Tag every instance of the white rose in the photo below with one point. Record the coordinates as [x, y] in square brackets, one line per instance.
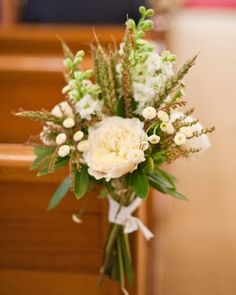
[115, 147]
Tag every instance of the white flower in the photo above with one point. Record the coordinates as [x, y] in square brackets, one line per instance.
[64, 150]
[68, 123]
[149, 113]
[88, 106]
[154, 139]
[61, 138]
[163, 116]
[167, 128]
[201, 142]
[62, 109]
[83, 146]
[78, 135]
[187, 131]
[144, 145]
[114, 147]
[179, 138]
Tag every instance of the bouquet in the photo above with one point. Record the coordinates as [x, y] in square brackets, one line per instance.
[118, 124]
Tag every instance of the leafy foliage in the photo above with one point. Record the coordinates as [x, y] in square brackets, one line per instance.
[60, 193]
[139, 183]
[81, 181]
[165, 183]
[44, 155]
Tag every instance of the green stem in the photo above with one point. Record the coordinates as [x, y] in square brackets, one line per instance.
[121, 266]
[112, 236]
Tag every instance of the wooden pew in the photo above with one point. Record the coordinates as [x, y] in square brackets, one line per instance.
[45, 252]
[30, 82]
[44, 39]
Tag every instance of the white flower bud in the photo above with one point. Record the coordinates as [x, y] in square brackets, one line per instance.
[65, 89]
[154, 139]
[68, 123]
[144, 145]
[76, 219]
[179, 138]
[83, 146]
[167, 128]
[78, 135]
[61, 138]
[163, 116]
[187, 131]
[149, 113]
[64, 150]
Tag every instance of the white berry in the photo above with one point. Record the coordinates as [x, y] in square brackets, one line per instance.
[61, 138]
[69, 123]
[154, 139]
[167, 128]
[78, 135]
[64, 150]
[163, 116]
[179, 138]
[149, 113]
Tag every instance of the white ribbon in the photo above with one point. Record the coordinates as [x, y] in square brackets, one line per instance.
[123, 215]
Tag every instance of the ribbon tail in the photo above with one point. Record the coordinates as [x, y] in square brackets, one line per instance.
[146, 232]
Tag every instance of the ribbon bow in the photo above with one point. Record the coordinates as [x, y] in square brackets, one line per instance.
[123, 215]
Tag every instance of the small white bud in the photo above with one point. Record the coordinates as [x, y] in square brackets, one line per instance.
[163, 116]
[76, 218]
[154, 139]
[78, 135]
[149, 113]
[66, 89]
[68, 123]
[179, 138]
[64, 150]
[167, 128]
[187, 131]
[144, 145]
[61, 138]
[83, 146]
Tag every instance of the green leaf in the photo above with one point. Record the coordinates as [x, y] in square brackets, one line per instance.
[160, 180]
[60, 193]
[177, 195]
[41, 153]
[164, 183]
[139, 183]
[81, 181]
[169, 177]
[60, 162]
